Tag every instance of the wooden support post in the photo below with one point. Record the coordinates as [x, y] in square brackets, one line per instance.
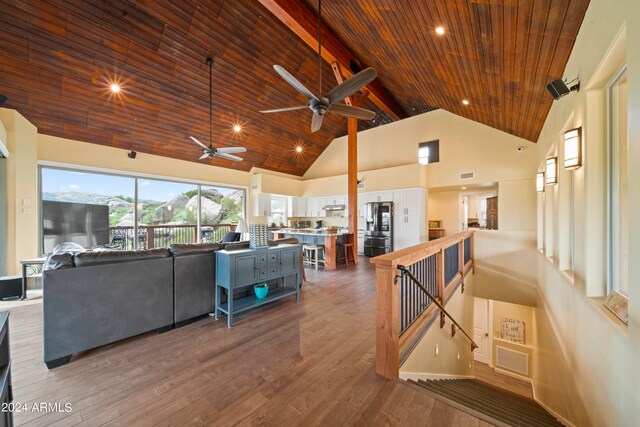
[461, 264]
[440, 282]
[352, 180]
[352, 158]
[387, 323]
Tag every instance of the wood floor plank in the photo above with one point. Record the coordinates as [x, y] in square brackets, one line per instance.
[307, 363]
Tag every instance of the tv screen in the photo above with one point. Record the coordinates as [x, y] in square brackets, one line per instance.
[84, 224]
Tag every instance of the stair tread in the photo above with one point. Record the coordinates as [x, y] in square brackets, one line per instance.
[502, 405]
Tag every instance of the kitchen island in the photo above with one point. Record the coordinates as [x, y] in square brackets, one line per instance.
[310, 236]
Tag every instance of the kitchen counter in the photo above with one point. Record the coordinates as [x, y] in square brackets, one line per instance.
[309, 232]
[311, 236]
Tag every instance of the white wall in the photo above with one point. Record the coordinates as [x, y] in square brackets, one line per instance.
[585, 358]
[445, 205]
[464, 146]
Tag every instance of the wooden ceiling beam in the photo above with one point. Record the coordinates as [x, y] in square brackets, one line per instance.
[303, 22]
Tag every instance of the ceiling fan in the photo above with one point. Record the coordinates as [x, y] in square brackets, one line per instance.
[329, 102]
[210, 151]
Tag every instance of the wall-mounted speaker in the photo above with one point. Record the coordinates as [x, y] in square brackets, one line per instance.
[559, 88]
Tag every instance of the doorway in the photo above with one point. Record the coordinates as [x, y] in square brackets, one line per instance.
[481, 328]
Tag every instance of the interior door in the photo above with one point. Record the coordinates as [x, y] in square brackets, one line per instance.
[481, 329]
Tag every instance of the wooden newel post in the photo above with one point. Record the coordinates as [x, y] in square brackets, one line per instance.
[461, 263]
[387, 323]
[440, 281]
[471, 253]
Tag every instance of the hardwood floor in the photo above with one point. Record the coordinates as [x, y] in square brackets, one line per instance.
[310, 363]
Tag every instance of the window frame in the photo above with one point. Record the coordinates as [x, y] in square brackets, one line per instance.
[615, 79]
[136, 177]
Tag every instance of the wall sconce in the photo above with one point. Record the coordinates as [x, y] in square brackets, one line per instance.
[540, 182]
[573, 149]
[552, 170]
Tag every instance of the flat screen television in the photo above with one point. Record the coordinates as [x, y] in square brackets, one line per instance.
[84, 224]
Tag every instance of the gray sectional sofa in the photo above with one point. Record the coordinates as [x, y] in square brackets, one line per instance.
[92, 299]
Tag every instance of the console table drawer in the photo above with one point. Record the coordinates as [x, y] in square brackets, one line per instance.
[274, 257]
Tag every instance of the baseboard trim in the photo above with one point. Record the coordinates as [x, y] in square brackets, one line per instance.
[559, 417]
[422, 376]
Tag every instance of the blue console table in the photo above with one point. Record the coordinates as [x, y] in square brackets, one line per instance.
[238, 269]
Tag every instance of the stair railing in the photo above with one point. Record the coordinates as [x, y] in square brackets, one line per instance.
[412, 288]
[443, 311]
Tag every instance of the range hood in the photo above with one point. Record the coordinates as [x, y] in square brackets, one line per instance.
[334, 208]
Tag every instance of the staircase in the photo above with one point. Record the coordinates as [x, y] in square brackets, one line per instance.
[500, 406]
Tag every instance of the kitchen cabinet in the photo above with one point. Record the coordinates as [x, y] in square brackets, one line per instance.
[297, 207]
[360, 241]
[409, 218]
[314, 207]
[361, 205]
[261, 204]
[408, 202]
[379, 196]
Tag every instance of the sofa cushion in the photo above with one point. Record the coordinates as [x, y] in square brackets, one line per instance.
[180, 249]
[86, 259]
[58, 261]
[236, 245]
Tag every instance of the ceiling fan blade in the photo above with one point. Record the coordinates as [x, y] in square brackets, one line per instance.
[316, 122]
[351, 85]
[204, 156]
[198, 142]
[229, 150]
[350, 111]
[294, 82]
[229, 157]
[279, 110]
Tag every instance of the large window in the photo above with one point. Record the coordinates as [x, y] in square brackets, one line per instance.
[123, 212]
[618, 165]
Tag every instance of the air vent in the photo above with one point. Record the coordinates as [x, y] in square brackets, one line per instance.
[512, 360]
[254, 186]
[467, 175]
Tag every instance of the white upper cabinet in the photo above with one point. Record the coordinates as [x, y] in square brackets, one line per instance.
[297, 207]
[261, 204]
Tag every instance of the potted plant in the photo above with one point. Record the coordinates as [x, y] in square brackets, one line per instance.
[261, 290]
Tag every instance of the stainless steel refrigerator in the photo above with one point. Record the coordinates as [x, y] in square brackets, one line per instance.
[378, 235]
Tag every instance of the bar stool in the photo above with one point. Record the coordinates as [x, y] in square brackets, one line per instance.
[346, 249]
[312, 254]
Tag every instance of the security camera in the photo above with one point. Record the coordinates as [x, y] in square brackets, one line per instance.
[132, 154]
[520, 149]
[558, 88]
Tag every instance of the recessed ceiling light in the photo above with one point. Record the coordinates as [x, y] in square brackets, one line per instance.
[237, 128]
[440, 31]
[115, 88]
[464, 188]
[299, 149]
[465, 102]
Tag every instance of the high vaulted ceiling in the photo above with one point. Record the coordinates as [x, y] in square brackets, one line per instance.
[58, 57]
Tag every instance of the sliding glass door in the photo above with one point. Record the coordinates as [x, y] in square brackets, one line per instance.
[126, 212]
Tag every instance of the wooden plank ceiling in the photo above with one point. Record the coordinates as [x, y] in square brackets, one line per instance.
[58, 57]
[497, 54]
